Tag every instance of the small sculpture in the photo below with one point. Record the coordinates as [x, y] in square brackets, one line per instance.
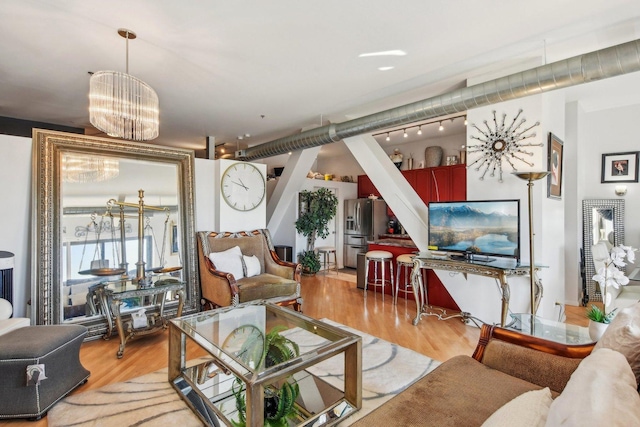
[396, 158]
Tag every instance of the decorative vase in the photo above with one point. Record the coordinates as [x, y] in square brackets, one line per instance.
[433, 156]
[596, 329]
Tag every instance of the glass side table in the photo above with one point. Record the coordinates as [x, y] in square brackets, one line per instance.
[220, 365]
[549, 329]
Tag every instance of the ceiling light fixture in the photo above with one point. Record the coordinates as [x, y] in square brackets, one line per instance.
[387, 138]
[79, 168]
[405, 134]
[420, 130]
[385, 68]
[121, 105]
[383, 53]
[419, 126]
[465, 120]
[441, 128]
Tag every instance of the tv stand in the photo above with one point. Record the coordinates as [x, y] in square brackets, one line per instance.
[500, 269]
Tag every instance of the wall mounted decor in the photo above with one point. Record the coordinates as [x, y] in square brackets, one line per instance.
[620, 167]
[500, 143]
[554, 180]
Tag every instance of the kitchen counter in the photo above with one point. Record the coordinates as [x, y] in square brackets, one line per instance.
[400, 243]
[394, 236]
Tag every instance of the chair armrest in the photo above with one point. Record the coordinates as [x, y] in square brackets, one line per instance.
[536, 360]
[276, 266]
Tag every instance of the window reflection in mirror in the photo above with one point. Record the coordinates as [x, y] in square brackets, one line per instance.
[91, 229]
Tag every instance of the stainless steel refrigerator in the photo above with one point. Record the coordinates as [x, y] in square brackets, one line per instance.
[364, 220]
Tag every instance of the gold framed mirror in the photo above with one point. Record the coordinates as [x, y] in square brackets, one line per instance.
[74, 178]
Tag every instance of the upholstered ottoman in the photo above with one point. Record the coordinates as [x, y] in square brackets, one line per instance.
[39, 365]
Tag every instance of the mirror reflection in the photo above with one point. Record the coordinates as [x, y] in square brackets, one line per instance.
[109, 210]
[602, 220]
[100, 226]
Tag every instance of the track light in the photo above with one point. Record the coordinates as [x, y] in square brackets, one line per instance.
[387, 138]
[420, 130]
[465, 120]
[405, 134]
[441, 128]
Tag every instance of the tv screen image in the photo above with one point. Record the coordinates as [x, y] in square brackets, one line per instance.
[484, 227]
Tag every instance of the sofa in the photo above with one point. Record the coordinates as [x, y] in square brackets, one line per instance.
[514, 379]
[237, 267]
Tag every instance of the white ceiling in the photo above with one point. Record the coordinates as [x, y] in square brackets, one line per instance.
[271, 68]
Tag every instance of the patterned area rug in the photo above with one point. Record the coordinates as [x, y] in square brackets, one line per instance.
[150, 400]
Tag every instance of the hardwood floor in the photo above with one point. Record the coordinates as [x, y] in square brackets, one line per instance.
[325, 296]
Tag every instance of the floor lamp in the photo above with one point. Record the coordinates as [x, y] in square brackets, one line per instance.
[530, 177]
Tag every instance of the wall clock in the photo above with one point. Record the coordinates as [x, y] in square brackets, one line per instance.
[243, 186]
[247, 344]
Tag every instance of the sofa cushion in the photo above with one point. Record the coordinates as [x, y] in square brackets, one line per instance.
[229, 261]
[623, 335]
[251, 265]
[601, 392]
[265, 286]
[527, 410]
[459, 392]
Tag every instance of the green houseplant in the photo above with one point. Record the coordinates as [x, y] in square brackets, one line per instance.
[279, 400]
[318, 208]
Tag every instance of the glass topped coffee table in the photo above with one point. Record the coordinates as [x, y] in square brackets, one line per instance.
[551, 330]
[240, 365]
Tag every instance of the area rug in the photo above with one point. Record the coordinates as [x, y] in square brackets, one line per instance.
[149, 400]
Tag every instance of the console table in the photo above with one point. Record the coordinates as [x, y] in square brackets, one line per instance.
[497, 268]
[111, 296]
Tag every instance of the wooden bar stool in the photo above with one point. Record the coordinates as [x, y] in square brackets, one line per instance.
[379, 258]
[404, 263]
[325, 252]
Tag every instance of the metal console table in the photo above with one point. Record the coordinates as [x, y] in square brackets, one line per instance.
[111, 296]
[497, 268]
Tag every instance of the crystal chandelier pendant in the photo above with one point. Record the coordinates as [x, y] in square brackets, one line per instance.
[122, 105]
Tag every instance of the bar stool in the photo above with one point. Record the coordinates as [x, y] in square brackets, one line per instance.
[404, 262]
[326, 251]
[379, 258]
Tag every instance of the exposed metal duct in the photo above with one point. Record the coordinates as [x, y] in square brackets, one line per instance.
[601, 64]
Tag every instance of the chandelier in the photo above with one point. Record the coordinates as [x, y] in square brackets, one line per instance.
[121, 105]
[84, 168]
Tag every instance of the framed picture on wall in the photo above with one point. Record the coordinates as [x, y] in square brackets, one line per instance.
[174, 238]
[554, 179]
[620, 167]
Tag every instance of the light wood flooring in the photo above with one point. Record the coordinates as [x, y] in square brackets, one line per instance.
[333, 296]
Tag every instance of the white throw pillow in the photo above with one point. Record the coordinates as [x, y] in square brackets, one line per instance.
[527, 410]
[623, 335]
[601, 392]
[252, 265]
[229, 261]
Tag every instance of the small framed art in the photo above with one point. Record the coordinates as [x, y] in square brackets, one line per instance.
[620, 167]
[554, 179]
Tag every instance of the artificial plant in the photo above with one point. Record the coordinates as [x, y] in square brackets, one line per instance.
[318, 208]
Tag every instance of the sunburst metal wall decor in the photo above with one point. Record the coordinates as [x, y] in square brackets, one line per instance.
[502, 143]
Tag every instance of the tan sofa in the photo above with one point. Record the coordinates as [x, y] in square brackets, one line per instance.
[505, 383]
[274, 280]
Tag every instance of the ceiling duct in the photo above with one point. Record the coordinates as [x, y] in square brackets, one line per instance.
[601, 64]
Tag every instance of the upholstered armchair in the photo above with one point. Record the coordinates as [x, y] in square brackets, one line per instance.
[237, 267]
[8, 323]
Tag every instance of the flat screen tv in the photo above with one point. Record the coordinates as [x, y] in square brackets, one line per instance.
[483, 227]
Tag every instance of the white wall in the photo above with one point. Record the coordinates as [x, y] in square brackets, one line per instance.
[15, 217]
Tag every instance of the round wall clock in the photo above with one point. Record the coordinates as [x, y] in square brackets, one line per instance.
[247, 344]
[242, 186]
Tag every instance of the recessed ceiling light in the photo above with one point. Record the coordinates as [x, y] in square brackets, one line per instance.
[385, 68]
[384, 53]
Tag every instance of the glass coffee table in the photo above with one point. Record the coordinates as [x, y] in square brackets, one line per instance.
[550, 330]
[240, 365]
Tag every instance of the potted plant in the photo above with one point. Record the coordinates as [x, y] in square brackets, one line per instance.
[608, 275]
[318, 208]
[279, 400]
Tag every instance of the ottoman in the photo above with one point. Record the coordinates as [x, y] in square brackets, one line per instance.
[39, 365]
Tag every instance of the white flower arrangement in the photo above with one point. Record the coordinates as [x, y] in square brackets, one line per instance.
[611, 275]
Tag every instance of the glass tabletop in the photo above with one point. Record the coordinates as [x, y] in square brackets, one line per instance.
[549, 329]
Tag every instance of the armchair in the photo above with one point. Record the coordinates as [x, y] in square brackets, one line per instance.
[8, 323]
[229, 280]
